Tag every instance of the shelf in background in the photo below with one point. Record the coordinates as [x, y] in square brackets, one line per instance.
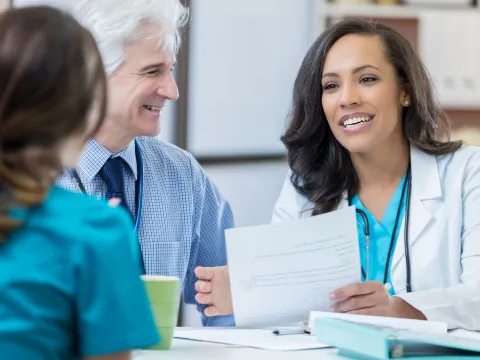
[460, 107]
[384, 11]
[463, 117]
[240, 159]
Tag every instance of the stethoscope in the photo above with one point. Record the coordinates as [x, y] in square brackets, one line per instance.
[138, 189]
[407, 186]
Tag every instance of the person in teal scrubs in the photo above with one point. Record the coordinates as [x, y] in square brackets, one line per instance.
[69, 264]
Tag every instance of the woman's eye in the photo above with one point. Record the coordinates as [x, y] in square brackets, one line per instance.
[329, 86]
[368, 79]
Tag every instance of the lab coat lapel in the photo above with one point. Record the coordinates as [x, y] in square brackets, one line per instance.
[425, 188]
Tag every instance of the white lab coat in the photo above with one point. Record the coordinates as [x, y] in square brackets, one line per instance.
[444, 236]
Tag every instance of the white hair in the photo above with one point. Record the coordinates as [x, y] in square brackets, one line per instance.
[114, 22]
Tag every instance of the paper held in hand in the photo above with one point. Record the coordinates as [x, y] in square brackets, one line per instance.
[280, 272]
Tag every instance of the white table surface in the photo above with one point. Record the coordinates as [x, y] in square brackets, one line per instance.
[187, 349]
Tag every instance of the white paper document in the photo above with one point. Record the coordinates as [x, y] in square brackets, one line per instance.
[256, 338]
[280, 272]
[422, 326]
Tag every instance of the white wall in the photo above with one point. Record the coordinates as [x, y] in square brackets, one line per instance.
[243, 60]
[167, 122]
[62, 4]
[251, 189]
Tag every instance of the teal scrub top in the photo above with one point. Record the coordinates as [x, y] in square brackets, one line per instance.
[380, 235]
[70, 282]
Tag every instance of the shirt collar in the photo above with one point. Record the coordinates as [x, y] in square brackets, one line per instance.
[128, 154]
[95, 156]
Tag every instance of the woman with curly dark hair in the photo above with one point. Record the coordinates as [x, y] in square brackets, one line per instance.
[366, 130]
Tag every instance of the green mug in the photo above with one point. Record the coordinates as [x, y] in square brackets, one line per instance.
[164, 296]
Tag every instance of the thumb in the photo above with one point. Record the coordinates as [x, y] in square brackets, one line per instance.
[114, 202]
[211, 311]
[204, 273]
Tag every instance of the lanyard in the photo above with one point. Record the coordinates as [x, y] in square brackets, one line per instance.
[138, 186]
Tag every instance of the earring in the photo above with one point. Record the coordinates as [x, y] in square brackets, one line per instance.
[406, 103]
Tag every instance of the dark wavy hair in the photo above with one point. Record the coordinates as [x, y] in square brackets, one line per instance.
[52, 80]
[321, 167]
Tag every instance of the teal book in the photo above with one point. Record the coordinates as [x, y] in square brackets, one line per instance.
[372, 342]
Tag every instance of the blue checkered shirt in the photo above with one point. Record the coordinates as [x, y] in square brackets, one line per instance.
[183, 214]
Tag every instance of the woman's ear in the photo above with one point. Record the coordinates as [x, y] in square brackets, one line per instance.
[405, 95]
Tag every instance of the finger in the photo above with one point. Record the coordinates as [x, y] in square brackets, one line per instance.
[211, 311]
[359, 288]
[204, 299]
[203, 286]
[356, 302]
[372, 311]
[114, 202]
[366, 311]
[204, 273]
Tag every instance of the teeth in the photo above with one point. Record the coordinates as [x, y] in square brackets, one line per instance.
[151, 107]
[356, 120]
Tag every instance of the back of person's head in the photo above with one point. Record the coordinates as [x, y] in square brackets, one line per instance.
[52, 100]
[114, 22]
[321, 166]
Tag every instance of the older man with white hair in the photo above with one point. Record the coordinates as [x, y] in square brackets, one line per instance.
[179, 214]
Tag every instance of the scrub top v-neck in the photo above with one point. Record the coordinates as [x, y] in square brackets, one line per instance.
[380, 235]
